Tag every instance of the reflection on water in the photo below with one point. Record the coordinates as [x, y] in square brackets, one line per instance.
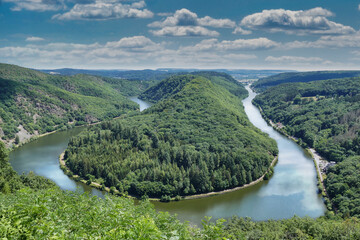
[143, 105]
[42, 157]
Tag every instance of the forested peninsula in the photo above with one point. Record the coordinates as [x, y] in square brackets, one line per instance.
[195, 139]
[324, 115]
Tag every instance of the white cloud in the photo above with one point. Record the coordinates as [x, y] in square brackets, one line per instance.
[103, 10]
[292, 59]
[37, 5]
[185, 17]
[34, 39]
[127, 52]
[186, 23]
[216, 23]
[240, 56]
[236, 45]
[343, 41]
[359, 7]
[357, 53]
[240, 30]
[182, 31]
[134, 44]
[312, 21]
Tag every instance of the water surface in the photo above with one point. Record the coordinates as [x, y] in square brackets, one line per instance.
[42, 157]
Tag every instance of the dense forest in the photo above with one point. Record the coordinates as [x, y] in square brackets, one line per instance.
[196, 140]
[34, 103]
[264, 83]
[324, 115]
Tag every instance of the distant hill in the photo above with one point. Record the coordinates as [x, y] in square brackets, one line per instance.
[175, 83]
[32, 102]
[271, 81]
[162, 73]
[145, 75]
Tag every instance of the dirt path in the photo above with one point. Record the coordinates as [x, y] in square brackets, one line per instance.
[317, 158]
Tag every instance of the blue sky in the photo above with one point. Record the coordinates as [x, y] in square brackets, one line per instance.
[136, 34]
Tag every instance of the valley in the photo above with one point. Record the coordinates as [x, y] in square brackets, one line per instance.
[287, 189]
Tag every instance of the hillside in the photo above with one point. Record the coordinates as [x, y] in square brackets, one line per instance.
[196, 140]
[175, 83]
[264, 83]
[162, 73]
[324, 115]
[33, 102]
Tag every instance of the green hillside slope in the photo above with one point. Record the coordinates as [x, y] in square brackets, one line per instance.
[264, 83]
[33, 103]
[196, 140]
[175, 83]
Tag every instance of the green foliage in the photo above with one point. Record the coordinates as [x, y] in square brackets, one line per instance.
[323, 114]
[174, 84]
[294, 228]
[292, 77]
[343, 186]
[197, 140]
[54, 214]
[43, 103]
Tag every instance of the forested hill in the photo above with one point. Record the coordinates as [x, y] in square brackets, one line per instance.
[324, 115]
[175, 83]
[33, 102]
[264, 83]
[197, 140]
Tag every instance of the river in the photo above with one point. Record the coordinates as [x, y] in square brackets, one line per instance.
[291, 191]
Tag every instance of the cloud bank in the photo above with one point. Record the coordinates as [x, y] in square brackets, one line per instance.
[34, 39]
[37, 5]
[186, 23]
[312, 21]
[104, 10]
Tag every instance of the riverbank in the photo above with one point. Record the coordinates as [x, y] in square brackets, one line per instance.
[72, 125]
[35, 137]
[97, 185]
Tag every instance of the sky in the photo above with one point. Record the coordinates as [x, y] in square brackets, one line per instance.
[136, 34]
